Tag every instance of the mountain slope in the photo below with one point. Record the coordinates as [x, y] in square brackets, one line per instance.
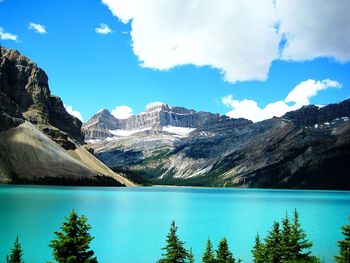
[39, 141]
[307, 148]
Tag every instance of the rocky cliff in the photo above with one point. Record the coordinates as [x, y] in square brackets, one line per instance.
[102, 124]
[307, 148]
[39, 141]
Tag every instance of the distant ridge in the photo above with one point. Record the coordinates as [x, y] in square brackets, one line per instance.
[308, 148]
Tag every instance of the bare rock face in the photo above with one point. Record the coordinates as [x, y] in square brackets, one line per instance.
[24, 93]
[40, 143]
[101, 125]
[311, 115]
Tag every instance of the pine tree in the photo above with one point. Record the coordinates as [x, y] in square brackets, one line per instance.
[223, 254]
[16, 253]
[73, 243]
[208, 256]
[286, 244]
[273, 244]
[344, 246]
[174, 250]
[258, 251]
[190, 256]
[299, 242]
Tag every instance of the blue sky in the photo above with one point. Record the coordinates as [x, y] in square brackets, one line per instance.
[135, 64]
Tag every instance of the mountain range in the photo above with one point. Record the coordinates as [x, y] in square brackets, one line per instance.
[41, 143]
[307, 148]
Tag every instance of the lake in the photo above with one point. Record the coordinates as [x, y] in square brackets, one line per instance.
[131, 224]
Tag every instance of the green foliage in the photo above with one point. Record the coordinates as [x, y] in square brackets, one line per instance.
[259, 251]
[16, 253]
[344, 246]
[274, 244]
[208, 256]
[223, 254]
[289, 244]
[299, 243]
[73, 243]
[174, 249]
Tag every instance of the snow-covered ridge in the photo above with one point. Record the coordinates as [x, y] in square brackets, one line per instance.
[182, 131]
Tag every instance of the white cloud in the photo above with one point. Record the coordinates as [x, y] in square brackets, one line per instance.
[74, 113]
[299, 96]
[41, 29]
[103, 29]
[222, 34]
[315, 28]
[240, 38]
[122, 112]
[154, 104]
[302, 93]
[7, 36]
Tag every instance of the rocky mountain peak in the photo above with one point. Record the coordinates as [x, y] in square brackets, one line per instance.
[40, 143]
[25, 94]
[156, 116]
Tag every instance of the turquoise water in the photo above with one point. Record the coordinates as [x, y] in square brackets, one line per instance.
[130, 224]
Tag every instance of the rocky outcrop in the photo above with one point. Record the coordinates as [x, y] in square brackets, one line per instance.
[311, 115]
[25, 94]
[39, 141]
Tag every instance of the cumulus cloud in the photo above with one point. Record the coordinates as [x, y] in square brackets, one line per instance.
[74, 113]
[41, 29]
[103, 29]
[299, 97]
[221, 34]
[7, 36]
[122, 112]
[315, 28]
[240, 38]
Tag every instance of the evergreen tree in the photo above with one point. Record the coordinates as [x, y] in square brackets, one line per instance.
[16, 253]
[259, 253]
[174, 250]
[286, 245]
[73, 243]
[344, 246]
[223, 254]
[190, 256]
[273, 244]
[299, 242]
[208, 256]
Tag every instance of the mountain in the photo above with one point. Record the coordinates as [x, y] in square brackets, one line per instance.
[39, 141]
[156, 118]
[307, 148]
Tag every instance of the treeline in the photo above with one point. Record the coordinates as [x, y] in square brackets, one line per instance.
[286, 242]
[98, 180]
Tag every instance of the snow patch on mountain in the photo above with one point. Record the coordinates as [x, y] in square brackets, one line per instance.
[126, 133]
[181, 131]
